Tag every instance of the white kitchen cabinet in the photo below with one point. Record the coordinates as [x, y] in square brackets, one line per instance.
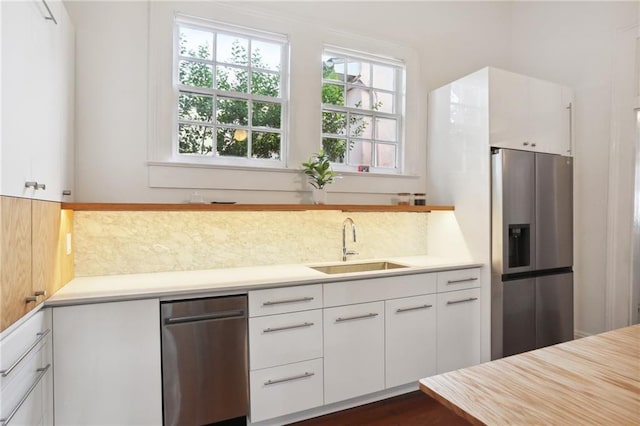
[353, 351]
[26, 395]
[107, 364]
[37, 100]
[458, 329]
[410, 339]
[528, 113]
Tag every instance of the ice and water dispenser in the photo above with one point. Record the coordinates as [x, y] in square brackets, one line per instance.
[519, 245]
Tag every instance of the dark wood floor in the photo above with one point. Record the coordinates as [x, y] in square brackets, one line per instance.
[414, 408]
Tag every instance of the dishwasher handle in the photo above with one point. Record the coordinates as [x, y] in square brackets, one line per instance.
[205, 317]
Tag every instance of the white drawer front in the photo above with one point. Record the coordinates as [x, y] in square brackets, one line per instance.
[287, 389]
[460, 279]
[21, 341]
[286, 338]
[287, 299]
[374, 289]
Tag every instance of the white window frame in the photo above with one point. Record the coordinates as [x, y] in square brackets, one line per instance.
[399, 115]
[251, 34]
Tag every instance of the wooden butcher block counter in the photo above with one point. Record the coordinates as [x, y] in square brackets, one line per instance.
[594, 380]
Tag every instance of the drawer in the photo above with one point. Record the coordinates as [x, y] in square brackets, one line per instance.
[28, 337]
[286, 389]
[459, 279]
[374, 289]
[285, 299]
[285, 338]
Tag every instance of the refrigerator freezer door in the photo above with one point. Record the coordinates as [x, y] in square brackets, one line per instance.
[554, 212]
[519, 316]
[518, 210]
[554, 309]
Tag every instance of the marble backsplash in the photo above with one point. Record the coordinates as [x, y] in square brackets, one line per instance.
[108, 242]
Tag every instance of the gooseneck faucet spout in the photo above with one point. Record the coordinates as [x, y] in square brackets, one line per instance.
[346, 252]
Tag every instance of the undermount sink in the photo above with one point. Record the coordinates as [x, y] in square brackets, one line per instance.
[345, 268]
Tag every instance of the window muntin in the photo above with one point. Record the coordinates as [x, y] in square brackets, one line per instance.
[362, 110]
[230, 91]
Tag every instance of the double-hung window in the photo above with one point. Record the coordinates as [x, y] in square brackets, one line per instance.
[231, 94]
[362, 110]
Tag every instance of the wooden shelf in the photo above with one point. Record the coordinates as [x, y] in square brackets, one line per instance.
[249, 207]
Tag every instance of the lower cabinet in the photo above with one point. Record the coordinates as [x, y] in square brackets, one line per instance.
[285, 389]
[458, 332]
[353, 351]
[107, 363]
[410, 332]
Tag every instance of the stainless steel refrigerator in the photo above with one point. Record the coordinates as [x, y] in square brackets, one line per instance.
[531, 250]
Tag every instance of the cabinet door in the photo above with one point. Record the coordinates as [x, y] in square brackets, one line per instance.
[15, 273]
[45, 226]
[353, 351]
[508, 109]
[410, 347]
[547, 117]
[107, 361]
[458, 329]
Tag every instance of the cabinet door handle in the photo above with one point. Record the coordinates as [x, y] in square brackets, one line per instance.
[41, 335]
[525, 143]
[288, 379]
[30, 299]
[453, 302]
[415, 308]
[41, 186]
[463, 280]
[369, 315]
[280, 302]
[287, 327]
[42, 371]
[31, 184]
[40, 293]
[50, 17]
[533, 145]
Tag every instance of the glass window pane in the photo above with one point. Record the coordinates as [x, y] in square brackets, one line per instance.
[231, 79]
[231, 142]
[358, 97]
[360, 126]
[384, 77]
[383, 102]
[333, 94]
[386, 155]
[334, 123]
[332, 68]
[266, 114]
[265, 145]
[195, 140]
[359, 72]
[232, 111]
[265, 83]
[232, 49]
[386, 129]
[265, 55]
[335, 149]
[360, 153]
[196, 43]
[195, 107]
[195, 74]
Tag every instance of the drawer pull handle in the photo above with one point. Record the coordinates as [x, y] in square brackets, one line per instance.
[464, 280]
[415, 308]
[42, 371]
[280, 302]
[370, 315]
[453, 302]
[287, 327]
[288, 379]
[41, 336]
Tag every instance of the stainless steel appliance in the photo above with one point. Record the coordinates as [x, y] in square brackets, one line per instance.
[204, 360]
[532, 251]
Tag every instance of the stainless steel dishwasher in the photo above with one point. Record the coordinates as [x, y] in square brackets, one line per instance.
[204, 360]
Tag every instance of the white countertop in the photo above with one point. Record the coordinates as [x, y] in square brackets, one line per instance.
[180, 284]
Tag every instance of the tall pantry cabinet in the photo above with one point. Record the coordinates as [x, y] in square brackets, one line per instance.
[36, 149]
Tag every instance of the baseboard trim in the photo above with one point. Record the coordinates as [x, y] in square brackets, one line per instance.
[577, 334]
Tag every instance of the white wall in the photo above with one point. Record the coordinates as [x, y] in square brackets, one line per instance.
[574, 43]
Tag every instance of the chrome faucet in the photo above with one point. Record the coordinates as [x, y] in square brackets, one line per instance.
[346, 252]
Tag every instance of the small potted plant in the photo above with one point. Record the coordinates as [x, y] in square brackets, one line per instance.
[318, 170]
